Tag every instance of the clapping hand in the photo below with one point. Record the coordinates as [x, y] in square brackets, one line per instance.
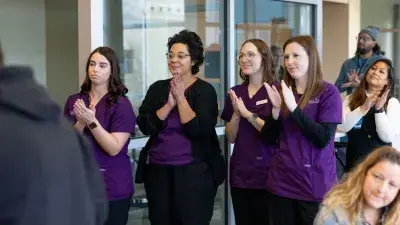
[275, 98]
[288, 97]
[354, 79]
[177, 86]
[380, 102]
[86, 115]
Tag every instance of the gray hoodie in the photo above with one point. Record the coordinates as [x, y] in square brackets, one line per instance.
[338, 216]
[48, 174]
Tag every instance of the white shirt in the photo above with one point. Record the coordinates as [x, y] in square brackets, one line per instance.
[387, 123]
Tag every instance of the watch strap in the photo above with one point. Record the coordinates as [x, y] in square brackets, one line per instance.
[381, 110]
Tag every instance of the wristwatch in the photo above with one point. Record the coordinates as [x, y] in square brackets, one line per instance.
[381, 110]
[92, 125]
[254, 117]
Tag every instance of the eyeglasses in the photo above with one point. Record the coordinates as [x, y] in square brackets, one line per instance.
[249, 56]
[365, 39]
[180, 56]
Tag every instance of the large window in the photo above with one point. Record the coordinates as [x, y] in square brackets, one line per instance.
[148, 24]
[272, 21]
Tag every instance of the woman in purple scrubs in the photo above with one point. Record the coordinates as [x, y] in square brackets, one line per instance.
[246, 109]
[180, 114]
[103, 113]
[303, 167]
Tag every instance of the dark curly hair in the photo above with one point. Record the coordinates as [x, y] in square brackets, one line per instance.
[115, 86]
[194, 44]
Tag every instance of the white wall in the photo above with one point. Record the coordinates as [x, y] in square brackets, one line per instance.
[23, 34]
[341, 24]
[335, 38]
[62, 53]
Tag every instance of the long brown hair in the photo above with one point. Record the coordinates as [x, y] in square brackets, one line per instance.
[359, 96]
[267, 63]
[348, 194]
[315, 83]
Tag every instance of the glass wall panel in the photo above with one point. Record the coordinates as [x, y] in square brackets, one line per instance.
[147, 25]
[272, 21]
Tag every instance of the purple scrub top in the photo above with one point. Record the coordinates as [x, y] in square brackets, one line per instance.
[250, 159]
[299, 169]
[171, 146]
[119, 117]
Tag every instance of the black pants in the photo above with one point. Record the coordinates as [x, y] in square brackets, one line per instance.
[180, 195]
[118, 211]
[286, 211]
[250, 206]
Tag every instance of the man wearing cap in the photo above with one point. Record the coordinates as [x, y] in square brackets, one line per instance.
[354, 68]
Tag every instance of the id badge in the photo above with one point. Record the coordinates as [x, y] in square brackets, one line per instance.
[359, 124]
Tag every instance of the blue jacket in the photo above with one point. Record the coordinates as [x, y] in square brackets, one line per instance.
[347, 66]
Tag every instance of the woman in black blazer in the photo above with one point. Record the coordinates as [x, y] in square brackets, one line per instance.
[180, 115]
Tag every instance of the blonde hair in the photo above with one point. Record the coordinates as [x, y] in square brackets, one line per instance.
[348, 194]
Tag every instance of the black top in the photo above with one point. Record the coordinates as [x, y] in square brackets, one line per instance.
[362, 141]
[48, 173]
[202, 98]
[319, 133]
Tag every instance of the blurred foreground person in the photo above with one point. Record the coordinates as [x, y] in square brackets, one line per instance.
[367, 195]
[47, 171]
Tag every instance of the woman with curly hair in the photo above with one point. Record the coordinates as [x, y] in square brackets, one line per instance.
[102, 112]
[369, 195]
[180, 115]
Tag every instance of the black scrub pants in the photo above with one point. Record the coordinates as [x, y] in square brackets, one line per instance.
[250, 206]
[286, 211]
[118, 211]
[180, 195]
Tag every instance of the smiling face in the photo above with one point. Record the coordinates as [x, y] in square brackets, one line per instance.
[296, 61]
[381, 184]
[249, 59]
[179, 60]
[99, 69]
[378, 75]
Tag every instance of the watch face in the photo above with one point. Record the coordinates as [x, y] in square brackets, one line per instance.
[92, 125]
[255, 116]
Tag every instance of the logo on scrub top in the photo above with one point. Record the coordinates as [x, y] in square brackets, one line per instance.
[314, 101]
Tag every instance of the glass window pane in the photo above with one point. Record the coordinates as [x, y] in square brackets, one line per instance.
[147, 25]
[272, 21]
